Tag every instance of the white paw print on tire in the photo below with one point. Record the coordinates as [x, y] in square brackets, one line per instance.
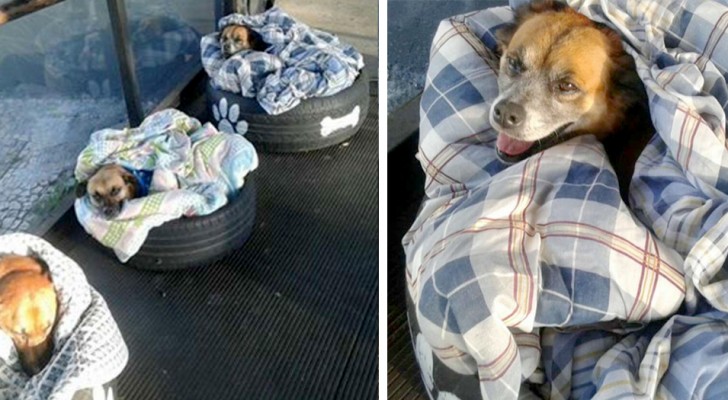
[228, 118]
[423, 352]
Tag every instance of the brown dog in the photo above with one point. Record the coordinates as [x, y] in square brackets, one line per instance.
[236, 38]
[563, 75]
[28, 309]
[109, 188]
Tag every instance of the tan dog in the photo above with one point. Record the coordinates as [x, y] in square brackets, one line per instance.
[109, 188]
[236, 38]
[563, 75]
[28, 309]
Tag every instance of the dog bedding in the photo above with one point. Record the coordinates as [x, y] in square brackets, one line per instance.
[195, 169]
[89, 349]
[299, 63]
[536, 277]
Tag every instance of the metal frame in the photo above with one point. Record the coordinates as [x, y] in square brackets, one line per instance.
[125, 58]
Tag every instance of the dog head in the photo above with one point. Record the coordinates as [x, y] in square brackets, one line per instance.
[108, 188]
[236, 38]
[28, 309]
[561, 74]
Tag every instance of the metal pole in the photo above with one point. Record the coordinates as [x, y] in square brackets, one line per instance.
[125, 57]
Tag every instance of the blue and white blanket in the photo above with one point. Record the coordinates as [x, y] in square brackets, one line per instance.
[299, 63]
[536, 276]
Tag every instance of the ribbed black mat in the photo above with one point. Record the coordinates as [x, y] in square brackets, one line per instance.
[292, 315]
[405, 182]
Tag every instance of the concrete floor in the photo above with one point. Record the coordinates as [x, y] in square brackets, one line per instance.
[354, 21]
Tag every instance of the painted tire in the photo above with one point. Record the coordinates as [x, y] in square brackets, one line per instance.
[314, 124]
[198, 241]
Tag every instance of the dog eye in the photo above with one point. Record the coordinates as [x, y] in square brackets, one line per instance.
[97, 196]
[567, 87]
[514, 66]
[115, 191]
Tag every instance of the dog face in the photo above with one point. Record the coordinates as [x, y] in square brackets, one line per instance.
[236, 38]
[108, 188]
[561, 74]
[28, 309]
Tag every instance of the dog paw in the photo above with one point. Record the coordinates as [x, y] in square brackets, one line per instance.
[228, 118]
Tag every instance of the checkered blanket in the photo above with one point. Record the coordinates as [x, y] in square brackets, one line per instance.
[195, 169]
[89, 350]
[300, 63]
[536, 276]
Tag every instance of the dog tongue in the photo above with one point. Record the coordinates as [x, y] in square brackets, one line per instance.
[510, 146]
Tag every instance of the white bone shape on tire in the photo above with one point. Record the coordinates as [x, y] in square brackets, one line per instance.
[330, 125]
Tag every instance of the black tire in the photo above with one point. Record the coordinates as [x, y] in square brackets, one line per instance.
[298, 129]
[198, 241]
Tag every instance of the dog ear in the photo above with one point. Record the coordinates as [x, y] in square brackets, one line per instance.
[625, 79]
[504, 34]
[131, 183]
[538, 6]
[129, 179]
[81, 189]
[43, 265]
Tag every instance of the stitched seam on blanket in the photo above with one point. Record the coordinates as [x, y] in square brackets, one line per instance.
[613, 241]
[523, 285]
[713, 40]
[496, 368]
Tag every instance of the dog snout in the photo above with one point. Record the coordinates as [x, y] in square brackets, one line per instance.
[110, 212]
[509, 114]
[34, 359]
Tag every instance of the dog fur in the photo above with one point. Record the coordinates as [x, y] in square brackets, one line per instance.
[28, 309]
[236, 38]
[562, 75]
[109, 188]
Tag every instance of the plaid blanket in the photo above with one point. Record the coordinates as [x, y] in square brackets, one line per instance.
[300, 63]
[89, 350]
[537, 277]
[195, 169]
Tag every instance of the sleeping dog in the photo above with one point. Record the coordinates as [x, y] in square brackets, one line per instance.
[28, 308]
[563, 75]
[236, 38]
[112, 185]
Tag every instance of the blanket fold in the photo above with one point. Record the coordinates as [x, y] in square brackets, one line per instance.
[300, 62]
[196, 168]
[512, 270]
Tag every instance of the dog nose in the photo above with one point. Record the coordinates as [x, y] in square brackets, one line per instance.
[509, 114]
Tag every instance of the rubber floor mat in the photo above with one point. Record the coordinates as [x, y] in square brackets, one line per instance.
[405, 192]
[291, 315]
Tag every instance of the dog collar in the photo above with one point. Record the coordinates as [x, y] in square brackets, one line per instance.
[143, 178]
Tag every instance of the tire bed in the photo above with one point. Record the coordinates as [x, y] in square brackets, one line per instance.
[298, 129]
[290, 315]
[197, 241]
